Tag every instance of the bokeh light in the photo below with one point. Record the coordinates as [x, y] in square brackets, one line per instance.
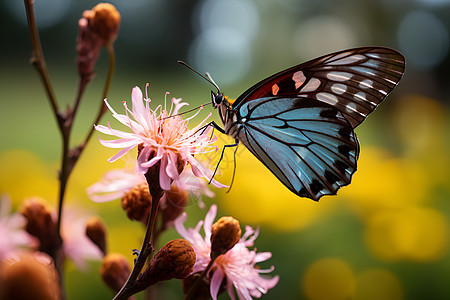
[321, 35]
[417, 233]
[424, 39]
[48, 13]
[328, 279]
[224, 32]
[376, 284]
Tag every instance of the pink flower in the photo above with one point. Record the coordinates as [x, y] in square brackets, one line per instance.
[164, 137]
[13, 237]
[116, 183]
[77, 246]
[237, 266]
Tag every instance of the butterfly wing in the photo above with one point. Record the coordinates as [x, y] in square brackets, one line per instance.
[309, 145]
[354, 81]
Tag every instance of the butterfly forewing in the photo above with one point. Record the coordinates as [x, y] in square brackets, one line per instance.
[309, 146]
[355, 81]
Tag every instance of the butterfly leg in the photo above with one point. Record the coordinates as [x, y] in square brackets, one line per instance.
[234, 168]
[221, 158]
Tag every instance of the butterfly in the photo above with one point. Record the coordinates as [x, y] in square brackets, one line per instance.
[300, 122]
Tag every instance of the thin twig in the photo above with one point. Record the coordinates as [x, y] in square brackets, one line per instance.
[38, 60]
[147, 249]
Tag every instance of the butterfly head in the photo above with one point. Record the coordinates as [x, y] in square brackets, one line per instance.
[218, 99]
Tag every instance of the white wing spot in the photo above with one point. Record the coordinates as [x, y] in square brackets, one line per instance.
[366, 84]
[339, 88]
[348, 60]
[351, 107]
[327, 98]
[360, 96]
[311, 86]
[339, 76]
[299, 78]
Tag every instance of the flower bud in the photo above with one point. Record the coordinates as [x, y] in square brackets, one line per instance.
[137, 203]
[115, 271]
[40, 223]
[96, 28]
[29, 278]
[104, 20]
[225, 233]
[175, 260]
[96, 232]
[174, 205]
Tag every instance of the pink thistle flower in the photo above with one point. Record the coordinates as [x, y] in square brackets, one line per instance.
[116, 183]
[164, 138]
[237, 266]
[13, 237]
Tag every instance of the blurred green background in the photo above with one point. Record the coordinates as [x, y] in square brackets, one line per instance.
[386, 236]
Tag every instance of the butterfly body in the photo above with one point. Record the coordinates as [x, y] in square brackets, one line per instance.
[300, 122]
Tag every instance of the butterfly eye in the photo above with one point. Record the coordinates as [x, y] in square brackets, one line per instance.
[216, 98]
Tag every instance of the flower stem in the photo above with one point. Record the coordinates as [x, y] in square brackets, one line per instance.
[194, 286]
[103, 108]
[38, 60]
[130, 288]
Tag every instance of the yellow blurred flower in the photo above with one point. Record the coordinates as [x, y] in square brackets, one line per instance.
[385, 182]
[328, 279]
[421, 124]
[416, 233]
[376, 284]
[23, 174]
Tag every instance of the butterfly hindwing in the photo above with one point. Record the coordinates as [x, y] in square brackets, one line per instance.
[309, 145]
[354, 81]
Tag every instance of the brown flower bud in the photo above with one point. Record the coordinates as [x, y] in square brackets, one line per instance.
[96, 232]
[104, 20]
[174, 205]
[225, 233]
[137, 203]
[115, 270]
[175, 260]
[40, 223]
[29, 278]
[96, 28]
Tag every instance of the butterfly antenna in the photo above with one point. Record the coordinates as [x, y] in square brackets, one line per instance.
[187, 111]
[207, 77]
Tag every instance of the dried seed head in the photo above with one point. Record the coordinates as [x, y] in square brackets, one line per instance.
[40, 223]
[29, 278]
[175, 260]
[137, 203]
[225, 233]
[115, 270]
[96, 232]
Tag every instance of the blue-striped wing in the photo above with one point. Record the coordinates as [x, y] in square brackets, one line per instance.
[354, 81]
[309, 145]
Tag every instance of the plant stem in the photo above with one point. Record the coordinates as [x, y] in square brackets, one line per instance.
[102, 109]
[38, 60]
[191, 291]
[129, 288]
